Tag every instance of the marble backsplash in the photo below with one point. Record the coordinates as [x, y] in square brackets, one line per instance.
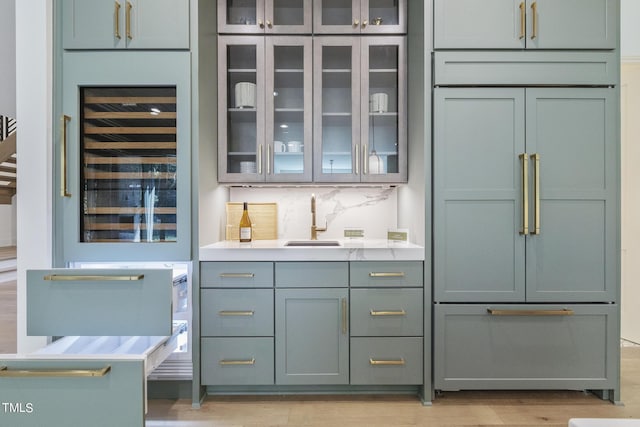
[370, 208]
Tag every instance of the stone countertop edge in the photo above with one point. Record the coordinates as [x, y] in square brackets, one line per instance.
[275, 250]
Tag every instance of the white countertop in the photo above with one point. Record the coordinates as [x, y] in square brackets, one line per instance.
[275, 250]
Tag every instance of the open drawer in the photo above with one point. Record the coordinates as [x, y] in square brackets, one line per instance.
[82, 380]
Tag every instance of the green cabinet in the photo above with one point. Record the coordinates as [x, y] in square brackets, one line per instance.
[123, 157]
[525, 24]
[536, 168]
[125, 24]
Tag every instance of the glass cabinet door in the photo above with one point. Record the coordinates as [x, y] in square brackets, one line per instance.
[288, 16]
[383, 130]
[359, 16]
[264, 16]
[128, 179]
[241, 16]
[241, 100]
[336, 109]
[288, 110]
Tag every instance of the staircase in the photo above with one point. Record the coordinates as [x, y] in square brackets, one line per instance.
[7, 159]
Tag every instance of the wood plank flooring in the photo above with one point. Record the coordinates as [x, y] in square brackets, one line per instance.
[470, 409]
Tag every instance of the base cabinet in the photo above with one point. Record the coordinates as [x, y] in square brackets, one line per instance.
[478, 346]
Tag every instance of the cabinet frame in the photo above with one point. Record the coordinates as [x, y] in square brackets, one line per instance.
[264, 15]
[358, 25]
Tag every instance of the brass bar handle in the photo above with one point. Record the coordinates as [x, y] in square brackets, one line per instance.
[525, 193]
[344, 316]
[116, 30]
[63, 158]
[387, 362]
[260, 159]
[562, 312]
[382, 274]
[128, 20]
[523, 22]
[365, 160]
[237, 275]
[30, 373]
[536, 193]
[534, 22]
[356, 155]
[237, 362]
[387, 312]
[247, 313]
[269, 159]
[92, 278]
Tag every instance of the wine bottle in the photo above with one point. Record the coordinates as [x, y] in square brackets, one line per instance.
[245, 225]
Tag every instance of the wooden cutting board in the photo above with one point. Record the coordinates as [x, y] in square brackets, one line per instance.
[264, 220]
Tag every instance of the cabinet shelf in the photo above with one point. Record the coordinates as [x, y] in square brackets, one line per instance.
[90, 144]
[131, 160]
[129, 101]
[99, 130]
[89, 174]
[242, 70]
[116, 210]
[99, 226]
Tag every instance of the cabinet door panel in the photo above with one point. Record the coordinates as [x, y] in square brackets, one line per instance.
[158, 24]
[478, 251]
[472, 24]
[336, 16]
[241, 16]
[288, 16]
[312, 338]
[93, 24]
[574, 256]
[572, 24]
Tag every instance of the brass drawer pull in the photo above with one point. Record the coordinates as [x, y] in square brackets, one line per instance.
[6, 372]
[345, 317]
[388, 313]
[524, 157]
[236, 313]
[534, 23]
[397, 274]
[522, 21]
[88, 278]
[128, 21]
[237, 275]
[562, 312]
[63, 157]
[397, 362]
[225, 362]
[116, 12]
[536, 193]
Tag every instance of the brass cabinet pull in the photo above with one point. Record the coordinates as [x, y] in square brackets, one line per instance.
[269, 159]
[247, 313]
[562, 312]
[365, 23]
[523, 23]
[344, 315]
[356, 155]
[116, 30]
[387, 312]
[63, 157]
[92, 278]
[393, 274]
[128, 21]
[23, 373]
[237, 362]
[525, 193]
[269, 24]
[365, 160]
[356, 22]
[237, 275]
[534, 22]
[260, 23]
[536, 193]
[384, 362]
[260, 159]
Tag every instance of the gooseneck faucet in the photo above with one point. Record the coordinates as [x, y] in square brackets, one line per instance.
[315, 229]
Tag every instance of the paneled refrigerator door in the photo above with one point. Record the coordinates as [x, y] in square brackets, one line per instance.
[124, 157]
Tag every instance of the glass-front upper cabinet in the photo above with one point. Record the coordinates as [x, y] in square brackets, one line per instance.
[360, 110]
[264, 16]
[264, 107]
[360, 16]
[124, 157]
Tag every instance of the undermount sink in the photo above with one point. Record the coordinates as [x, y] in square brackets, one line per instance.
[312, 243]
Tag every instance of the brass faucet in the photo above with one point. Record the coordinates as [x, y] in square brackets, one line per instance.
[314, 228]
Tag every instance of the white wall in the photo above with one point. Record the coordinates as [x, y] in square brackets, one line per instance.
[7, 53]
[629, 29]
[34, 109]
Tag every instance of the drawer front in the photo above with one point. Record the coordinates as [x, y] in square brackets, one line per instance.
[387, 273]
[312, 274]
[387, 312]
[237, 361]
[386, 361]
[236, 274]
[538, 348]
[89, 299]
[55, 397]
[237, 312]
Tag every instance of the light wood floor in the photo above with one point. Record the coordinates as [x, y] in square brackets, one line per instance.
[523, 409]
[8, 317]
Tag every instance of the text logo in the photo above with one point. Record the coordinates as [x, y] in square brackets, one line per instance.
[17, 408]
